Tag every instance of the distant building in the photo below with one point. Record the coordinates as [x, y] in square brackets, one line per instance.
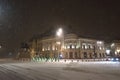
[70, 46]
[114, 49]
[24, 51]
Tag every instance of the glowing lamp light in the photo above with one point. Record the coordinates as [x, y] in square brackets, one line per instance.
[77, 46]
[59, 32]
[108, 52]
[68, 47]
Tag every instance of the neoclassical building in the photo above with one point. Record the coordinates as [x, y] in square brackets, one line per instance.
[69, 46]
[113, 48]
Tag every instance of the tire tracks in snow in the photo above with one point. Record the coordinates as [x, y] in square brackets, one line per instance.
[36, 75]
[54, 74]
[7, 74]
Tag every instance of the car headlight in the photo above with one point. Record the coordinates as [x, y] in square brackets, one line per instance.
[109, 59]
[112, 59]
[117, 59]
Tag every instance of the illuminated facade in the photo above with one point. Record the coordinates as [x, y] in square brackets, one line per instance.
[70, 46]
[115, 48]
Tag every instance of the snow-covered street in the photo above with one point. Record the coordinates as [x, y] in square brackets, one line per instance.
[60, 71]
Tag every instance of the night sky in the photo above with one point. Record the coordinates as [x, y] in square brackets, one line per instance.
[21, 19]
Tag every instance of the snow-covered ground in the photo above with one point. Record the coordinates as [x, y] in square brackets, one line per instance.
[60, 71]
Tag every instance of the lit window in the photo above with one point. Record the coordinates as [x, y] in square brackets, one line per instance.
[56, 48]
[118, 50]
[99, 42]
[77, 46]
[115, 52]
[53, 48]
[64, 47]
[58, 43]
[85, 47]
[73, 46]
[48, 48]
[100, 48]
[43, 49]
[68, 47]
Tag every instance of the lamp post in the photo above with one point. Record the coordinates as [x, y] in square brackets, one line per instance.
[59, 34]
[0, 46]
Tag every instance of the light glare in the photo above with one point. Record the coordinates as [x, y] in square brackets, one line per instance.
[59, 32]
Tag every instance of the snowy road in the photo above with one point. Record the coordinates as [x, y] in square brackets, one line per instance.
[60, 71]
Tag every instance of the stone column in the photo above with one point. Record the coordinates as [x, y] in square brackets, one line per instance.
[73, 55]
[68, 55]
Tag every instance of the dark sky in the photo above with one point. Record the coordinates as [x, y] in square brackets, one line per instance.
[20, 19]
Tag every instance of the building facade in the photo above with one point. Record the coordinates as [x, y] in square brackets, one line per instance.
[113, 49]
[70, 46]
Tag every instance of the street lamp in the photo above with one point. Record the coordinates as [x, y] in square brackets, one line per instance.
[59, 33]
[0, 46]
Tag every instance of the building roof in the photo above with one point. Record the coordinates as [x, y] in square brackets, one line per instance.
[67, 30]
